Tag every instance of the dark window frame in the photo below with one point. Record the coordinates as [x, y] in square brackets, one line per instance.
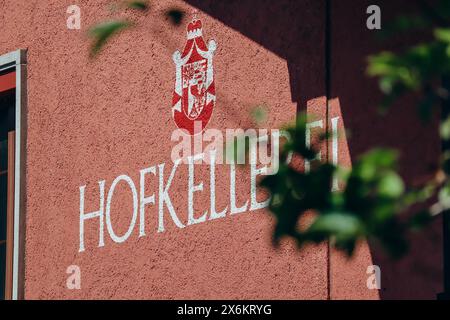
[16, 62]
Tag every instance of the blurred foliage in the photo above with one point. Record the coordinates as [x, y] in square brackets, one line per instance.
[139, 5]
[104, 31]
[259, 114]
[423, 70]
[365, 206]
[372, 198]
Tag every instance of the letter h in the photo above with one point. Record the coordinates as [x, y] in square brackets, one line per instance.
[85, 216]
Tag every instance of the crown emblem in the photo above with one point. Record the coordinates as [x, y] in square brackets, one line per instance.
[194, 29]
[194, 96]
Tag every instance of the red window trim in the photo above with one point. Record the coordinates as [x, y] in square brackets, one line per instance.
[8, 81]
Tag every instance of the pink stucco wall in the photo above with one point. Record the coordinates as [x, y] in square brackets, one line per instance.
[92, 120]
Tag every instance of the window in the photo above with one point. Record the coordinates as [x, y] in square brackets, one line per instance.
[12, 102]
[7, 125]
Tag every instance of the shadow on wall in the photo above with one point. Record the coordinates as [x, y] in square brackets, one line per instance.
[420, 274]
[301, 42]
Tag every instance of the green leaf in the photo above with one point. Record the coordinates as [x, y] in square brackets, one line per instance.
[343, 228]
[259, 114]
[445, 129]
[368, 165]
[336, 223]
[420, 220]
[391, 185]
[403, 24]
[425, 107]
[442, 34]
[104, 31]
[138, 5]
[446, 162]
[444, 196]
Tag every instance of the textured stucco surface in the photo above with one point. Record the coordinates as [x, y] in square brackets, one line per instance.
[91, 120]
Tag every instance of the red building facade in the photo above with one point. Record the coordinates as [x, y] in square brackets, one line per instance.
[90, 184]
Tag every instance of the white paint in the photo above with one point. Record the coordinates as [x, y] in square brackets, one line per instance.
[309, 127]
[334, 149]
[212, 187]
[259, 166]
[254, 171]
[95, 214]
[127, 234]
[287, 135]
[233, 207]
[21, 88]
[164, 198]
[192, 188]
[194, 34]
[143, 200]
[274, 158]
